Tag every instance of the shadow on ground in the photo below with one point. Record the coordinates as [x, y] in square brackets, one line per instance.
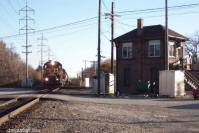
[175, 99]
[188, 106]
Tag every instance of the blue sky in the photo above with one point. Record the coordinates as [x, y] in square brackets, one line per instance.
[73, 44]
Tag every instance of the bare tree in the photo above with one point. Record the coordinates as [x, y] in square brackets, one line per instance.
[12, 67]
[192, 47]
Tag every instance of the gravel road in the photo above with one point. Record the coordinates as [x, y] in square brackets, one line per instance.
[84, 114]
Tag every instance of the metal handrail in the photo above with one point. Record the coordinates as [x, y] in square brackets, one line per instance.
[192, 78]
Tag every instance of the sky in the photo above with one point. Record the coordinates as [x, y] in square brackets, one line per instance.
[72, 43]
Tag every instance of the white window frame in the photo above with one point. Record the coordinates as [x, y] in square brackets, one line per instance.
[172, 43]
[129, 47]
[153, 43]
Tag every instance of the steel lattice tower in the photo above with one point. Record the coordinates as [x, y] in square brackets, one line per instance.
[26, 28]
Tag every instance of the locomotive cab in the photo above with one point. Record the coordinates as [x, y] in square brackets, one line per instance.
[52, 73]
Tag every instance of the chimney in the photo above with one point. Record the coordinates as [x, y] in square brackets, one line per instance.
[140, 23]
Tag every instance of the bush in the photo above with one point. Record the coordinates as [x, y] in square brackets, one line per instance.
[146, 87]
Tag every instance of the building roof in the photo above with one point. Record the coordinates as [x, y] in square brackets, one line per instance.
[149, 32]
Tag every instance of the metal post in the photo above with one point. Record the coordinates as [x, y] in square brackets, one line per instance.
[99, 55]
[166, 36]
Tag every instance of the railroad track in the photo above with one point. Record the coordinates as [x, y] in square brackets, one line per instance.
[15, 106]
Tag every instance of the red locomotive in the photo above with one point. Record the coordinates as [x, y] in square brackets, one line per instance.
[54, 74]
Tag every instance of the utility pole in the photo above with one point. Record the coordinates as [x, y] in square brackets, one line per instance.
[99, 55]
[93, 62]
[26, 28]
[94, 65]
[85, 64]
[166, 36]
[112, 36]
[111, 17]
[42, 45]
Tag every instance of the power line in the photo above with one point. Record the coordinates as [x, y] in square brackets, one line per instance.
[105, 5]
[60, 29]
[73, 32]
[93, 18]
[11, 5]
[86, 27]
[52, 28]
[8, 15]
[108, 39]
[18, 3]
[155, 16]
[162, 8]
[125, 24]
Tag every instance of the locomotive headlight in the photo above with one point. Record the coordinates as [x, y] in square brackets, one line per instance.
[52, 63]
[46, 79]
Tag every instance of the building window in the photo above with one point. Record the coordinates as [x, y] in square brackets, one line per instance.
[127, 77]
[154, 48]
[127, 50]
[172, 49]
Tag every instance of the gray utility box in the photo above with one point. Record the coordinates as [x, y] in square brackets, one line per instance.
[171, 83]
[107, 84]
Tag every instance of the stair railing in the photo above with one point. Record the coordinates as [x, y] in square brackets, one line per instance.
[190, 77]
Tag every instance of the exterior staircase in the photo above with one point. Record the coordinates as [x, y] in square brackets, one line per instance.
[191, 80]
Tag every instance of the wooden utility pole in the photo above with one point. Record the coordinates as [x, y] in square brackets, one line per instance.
[111, 17]
[99, 43]
[166, 36]
[112, 36]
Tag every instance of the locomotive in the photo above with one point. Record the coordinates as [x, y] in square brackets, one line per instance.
[54, 74]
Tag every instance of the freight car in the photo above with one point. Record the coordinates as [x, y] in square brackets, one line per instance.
[54, 74]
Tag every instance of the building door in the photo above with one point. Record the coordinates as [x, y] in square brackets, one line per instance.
[127, 77]
[154, 74]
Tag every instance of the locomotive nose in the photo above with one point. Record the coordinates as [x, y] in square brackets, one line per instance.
[46, 79]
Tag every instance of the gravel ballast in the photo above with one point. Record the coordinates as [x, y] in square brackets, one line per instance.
[132, 116]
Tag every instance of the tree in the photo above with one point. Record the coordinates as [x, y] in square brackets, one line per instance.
[192, 46]
[12, 67]
[105, 67]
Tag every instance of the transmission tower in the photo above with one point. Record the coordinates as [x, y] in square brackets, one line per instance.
[41, 50]
[49, 52]
[26, 28]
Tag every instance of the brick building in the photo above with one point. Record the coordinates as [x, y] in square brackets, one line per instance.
[140, 54]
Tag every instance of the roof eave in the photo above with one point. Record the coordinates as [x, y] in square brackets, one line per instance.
[181, 38]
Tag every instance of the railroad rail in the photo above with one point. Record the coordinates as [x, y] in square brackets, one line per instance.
[17, 105]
